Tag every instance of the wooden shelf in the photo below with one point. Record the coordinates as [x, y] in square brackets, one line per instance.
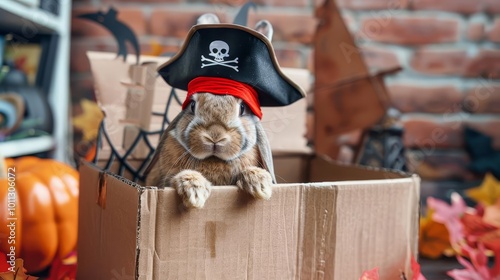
[19, 14]
[28, 20]
[27, 146]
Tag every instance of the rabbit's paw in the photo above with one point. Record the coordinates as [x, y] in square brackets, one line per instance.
[193, 188]
[256, 181]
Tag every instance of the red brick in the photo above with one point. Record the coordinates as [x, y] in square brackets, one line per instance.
[369, 4]
[494, 32]
[289, 27]
[431, 133]
[379, 57]
[475, 31]
[142, 1]
[490, 127]
[483, 99]
[288, 57]
[427, 99]
[485, 64]
[292, 3]
[492, 7]
[79, 63]
[82, 87]
[439, 62]
[228, 2]
[457, 6]
[310, 61]
[131, 16]
[176, 22]
[410, 29]
[350, 21]
[440, 165]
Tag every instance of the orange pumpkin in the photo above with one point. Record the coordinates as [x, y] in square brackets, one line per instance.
[45, 214]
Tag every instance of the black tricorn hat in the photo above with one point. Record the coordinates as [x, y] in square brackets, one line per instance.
[234, 52]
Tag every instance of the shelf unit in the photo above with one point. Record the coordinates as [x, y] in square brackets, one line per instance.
[20, 18]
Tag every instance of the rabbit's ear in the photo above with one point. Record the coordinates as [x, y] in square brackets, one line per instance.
[162, 142]
[266, 28]
[208, 18]
[265, 150]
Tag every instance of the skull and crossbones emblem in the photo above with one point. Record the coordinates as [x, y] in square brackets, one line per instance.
[219, 50]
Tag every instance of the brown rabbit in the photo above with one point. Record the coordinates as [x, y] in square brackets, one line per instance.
[216, 140]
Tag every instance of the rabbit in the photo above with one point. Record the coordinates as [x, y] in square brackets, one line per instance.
[215, 140]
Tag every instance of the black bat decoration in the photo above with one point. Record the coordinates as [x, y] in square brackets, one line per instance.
[120, 31]
[484, 158]
[242, 16]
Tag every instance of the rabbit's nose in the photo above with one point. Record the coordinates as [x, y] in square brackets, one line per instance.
[217, 135]
[218, 139]
[221, 140]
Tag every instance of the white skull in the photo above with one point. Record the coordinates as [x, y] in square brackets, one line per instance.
[219, 50]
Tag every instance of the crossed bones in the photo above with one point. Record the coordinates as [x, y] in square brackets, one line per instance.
[221, 63]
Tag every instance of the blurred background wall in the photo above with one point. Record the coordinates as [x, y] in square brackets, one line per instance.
[449, 51]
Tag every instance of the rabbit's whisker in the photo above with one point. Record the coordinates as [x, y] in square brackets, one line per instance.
[177, 161]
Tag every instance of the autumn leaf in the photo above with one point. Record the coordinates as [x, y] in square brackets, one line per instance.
[370, 274]
[488, 192]
[415, 268]
[89, 121]
[476, 269]
[156, 49]
[4, 266]
[18, 274]
[64, 269]
[433, 237]
[475, 226]
[491, 214]
[449, 215]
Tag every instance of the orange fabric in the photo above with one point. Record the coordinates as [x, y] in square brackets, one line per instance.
[225, 86]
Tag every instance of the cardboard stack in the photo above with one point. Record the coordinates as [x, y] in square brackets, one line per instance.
[324, 220]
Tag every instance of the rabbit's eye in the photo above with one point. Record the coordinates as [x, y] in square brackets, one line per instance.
[192, 106]
[242, 109]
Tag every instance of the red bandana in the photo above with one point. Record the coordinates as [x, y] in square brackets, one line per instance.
[224, 86]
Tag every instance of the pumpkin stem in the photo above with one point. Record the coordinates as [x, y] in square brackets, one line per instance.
[3, 167]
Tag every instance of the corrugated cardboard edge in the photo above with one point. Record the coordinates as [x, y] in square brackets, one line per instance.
[146, 232]
[122, 261]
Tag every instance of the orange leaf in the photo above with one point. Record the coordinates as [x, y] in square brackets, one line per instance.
[433, 237]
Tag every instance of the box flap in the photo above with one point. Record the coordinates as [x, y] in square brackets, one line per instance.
[286, 126]
[106, 237]
[324, 169]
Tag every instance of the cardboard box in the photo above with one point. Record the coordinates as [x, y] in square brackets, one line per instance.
[324, 220]
[357, 219]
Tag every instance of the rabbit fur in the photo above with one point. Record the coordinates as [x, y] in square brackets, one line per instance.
[216, 140]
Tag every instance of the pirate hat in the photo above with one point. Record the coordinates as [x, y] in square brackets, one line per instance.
[235, 53]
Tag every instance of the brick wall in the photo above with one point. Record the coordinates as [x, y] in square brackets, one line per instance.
[449, 50]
